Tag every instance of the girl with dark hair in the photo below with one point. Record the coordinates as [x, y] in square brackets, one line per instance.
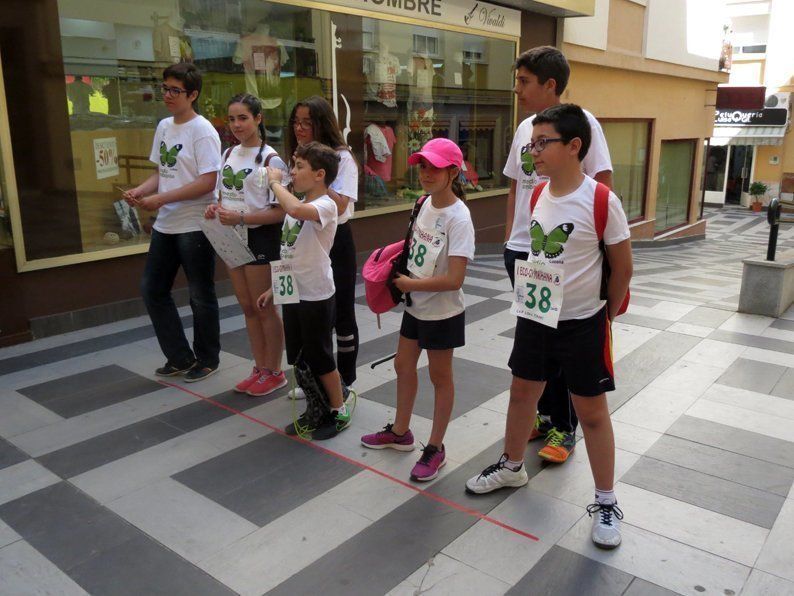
[313, 119]
[246, 201]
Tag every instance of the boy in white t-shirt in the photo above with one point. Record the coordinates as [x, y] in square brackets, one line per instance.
[303, 281]
[564, 323]
[541, 77]
[187, 153]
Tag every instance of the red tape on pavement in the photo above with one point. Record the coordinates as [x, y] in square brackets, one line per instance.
[363, 466]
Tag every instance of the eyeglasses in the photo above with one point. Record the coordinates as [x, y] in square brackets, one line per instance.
[539, 145]
[303, 124]
[174, 91]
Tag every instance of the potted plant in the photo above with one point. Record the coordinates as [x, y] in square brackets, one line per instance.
[757, 190]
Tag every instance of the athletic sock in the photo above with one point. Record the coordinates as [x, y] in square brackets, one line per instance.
[515, 466]
[605, 497]
[342, 411]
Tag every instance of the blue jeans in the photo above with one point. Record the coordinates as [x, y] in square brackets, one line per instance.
[193, 252]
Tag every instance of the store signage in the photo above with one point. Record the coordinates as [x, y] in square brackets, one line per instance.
[470, 14]
[106, 158]
[765, 117]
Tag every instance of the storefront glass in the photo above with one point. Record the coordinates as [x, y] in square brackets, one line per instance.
[397, 85]
[5, 216]
[675, 183]
[628, 148]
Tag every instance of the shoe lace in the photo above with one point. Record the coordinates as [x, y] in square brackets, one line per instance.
[538, 421]
[554, 438]
[493, 468]
[605, 512]
[387, 429]
[428, 451]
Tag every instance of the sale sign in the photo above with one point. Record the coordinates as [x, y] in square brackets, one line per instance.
[106, 158]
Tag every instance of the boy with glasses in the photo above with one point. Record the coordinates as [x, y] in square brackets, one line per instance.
[187, 153]
[541, 77]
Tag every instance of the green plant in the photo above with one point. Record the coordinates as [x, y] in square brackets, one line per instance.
[757, 189]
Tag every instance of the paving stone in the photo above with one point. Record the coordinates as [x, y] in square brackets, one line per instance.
[760, 377]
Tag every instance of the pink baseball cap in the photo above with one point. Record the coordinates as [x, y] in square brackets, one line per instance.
[440, 152]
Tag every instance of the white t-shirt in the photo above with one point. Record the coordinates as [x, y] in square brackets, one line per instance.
[306, 245]
[243, 183]
[520, 167]
[576, 238]
[182, 153]
[454, 222]
[346, 182]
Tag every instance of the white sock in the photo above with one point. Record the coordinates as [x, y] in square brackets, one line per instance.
[545, 418]
[605, 497]
[342, 410]
[515, 466]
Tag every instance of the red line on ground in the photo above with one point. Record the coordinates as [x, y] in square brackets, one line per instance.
[363, 466]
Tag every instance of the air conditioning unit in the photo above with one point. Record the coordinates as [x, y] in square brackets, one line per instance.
[778, 100]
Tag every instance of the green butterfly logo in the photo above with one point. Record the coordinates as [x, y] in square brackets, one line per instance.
[232, 179]
[289, 233]
[527, 161]
[552, 244]
[168, 156]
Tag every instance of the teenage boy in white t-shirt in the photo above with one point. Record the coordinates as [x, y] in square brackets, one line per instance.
[306, 240]
[187, 153]
[567, 324]
[541, 77]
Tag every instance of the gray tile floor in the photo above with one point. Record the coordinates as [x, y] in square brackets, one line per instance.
[114, 483]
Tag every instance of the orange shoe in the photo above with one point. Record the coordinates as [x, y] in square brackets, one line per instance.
[559, 446]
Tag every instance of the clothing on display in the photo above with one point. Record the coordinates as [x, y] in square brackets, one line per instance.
[378, 144]
[382, 78]
[422, 72]
[262, 56]
[170, 43]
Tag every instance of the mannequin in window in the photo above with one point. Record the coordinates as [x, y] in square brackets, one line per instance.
[383, 78]
[422, 72]
[169, 41]
[262, 56]
[379, 140]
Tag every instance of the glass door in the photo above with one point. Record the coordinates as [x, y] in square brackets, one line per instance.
[675, 183]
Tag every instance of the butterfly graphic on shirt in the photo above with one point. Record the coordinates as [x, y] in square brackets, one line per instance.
[551, 244]
[289, 233]
[527, 161]
[168, 156]
[232, 179]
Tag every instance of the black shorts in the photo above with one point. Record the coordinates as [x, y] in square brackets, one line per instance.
[582, 348]
[265, 243]
[308, 326]
[435, 335]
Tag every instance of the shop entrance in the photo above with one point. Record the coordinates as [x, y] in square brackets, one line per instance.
[739, 170]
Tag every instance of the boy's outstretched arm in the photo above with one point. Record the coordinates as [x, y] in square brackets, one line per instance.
[288, 201]
[620, 262]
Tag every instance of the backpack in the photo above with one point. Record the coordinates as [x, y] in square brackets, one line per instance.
[382, 267]
[600, 214]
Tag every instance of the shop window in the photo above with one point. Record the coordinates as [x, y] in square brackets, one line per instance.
[628, 148]
[714, 161]
[676, 162]
[5, 216]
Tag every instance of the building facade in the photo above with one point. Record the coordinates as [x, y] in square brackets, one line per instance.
[79, 104]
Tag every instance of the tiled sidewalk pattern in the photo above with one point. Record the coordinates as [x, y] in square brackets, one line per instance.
[113, 483]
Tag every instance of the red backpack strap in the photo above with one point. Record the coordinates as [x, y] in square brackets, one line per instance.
[268, 158]
[536, 195]
[601, 209]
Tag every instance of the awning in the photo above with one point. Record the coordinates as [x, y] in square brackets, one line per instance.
[748, 135]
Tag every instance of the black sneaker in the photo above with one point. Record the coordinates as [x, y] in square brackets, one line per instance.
[199, 373]
[302, 427]
[171, 370]
[327, 428]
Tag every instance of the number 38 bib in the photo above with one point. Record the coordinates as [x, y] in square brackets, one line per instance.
[538, 292]
[285, 288]
[426, 245]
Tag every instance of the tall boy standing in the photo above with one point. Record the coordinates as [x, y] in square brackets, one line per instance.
[187, 153]
[541, 77]
[303, 280]
[565, 324]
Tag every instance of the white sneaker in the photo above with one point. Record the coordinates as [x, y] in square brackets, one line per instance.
[296, 393]
[497, 476]
[606, 524]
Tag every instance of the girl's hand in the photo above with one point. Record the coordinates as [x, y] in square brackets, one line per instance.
[150, 203]
[403, 283]
[229, 217]
[265, 299]
[210, 211]
[274, 175]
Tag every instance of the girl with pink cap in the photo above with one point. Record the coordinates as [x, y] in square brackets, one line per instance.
[441, 247]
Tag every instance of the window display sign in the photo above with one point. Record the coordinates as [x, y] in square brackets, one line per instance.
[472, 14]
[106, 158]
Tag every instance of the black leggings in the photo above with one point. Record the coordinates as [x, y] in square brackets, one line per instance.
[343, 263]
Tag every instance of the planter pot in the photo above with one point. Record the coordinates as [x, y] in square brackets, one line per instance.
[756, 206]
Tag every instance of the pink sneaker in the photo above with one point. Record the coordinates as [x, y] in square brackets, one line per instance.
[246, 383]
[386, 439]
[267, 383]
[428, 465]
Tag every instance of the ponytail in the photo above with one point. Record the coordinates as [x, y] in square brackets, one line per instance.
[457, 188]
[263, 134]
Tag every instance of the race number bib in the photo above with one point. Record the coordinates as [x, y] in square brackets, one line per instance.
[426, 245]
[538, 292]
[285, 288]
